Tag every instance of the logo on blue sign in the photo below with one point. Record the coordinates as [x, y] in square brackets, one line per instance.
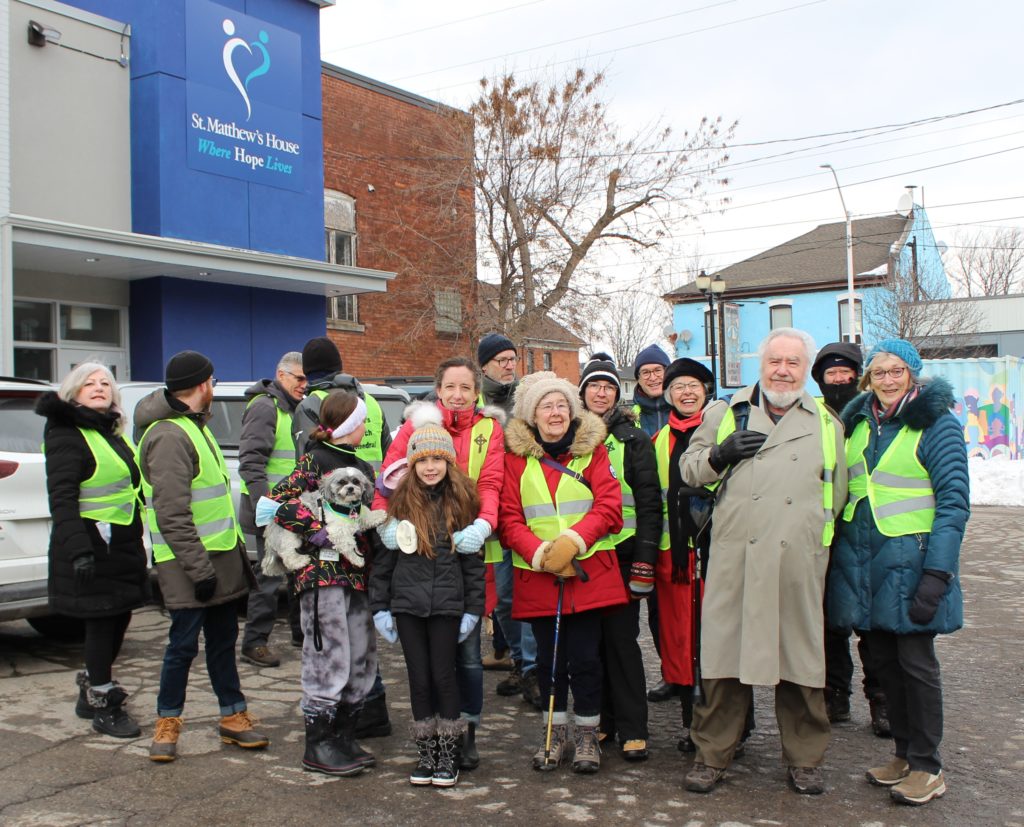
[229, 62]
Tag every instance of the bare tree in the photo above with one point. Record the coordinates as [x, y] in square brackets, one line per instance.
[989, 263]
[557, 182]
[914, 307]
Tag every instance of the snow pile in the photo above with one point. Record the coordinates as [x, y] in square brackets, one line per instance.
[997, 481]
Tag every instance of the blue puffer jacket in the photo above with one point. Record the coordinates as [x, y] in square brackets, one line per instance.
[873, 578]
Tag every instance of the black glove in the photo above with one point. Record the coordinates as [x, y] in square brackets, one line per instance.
[85, 568]
[930, 592]
[738, 445]
[204, 589]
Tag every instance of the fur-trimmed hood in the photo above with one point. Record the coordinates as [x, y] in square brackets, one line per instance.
[59, 412]
[935, 399]
[522, 440]
[423, 411]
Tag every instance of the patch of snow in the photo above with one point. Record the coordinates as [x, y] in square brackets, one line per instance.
[997, 481]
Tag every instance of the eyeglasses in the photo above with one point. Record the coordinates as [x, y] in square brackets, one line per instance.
[559, 407]
[298, 377]
[602, 387]
[505, 361]
[651, 373]
[686, 387]
[878, 374]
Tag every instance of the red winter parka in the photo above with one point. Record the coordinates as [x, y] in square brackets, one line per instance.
[534, 593]
[459, 424]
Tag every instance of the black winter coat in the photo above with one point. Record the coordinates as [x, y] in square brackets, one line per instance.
[640, 467]
[450, 584]
[121, 582]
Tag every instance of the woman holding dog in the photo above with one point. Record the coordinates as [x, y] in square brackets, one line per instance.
[479, 443]
[339, 654]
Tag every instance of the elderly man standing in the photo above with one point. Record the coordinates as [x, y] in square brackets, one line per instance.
[774, 456]
[266, 455]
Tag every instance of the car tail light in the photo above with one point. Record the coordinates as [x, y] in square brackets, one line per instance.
[7, 468]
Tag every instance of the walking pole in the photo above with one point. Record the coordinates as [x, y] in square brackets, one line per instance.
[554, 668]
[696, 602]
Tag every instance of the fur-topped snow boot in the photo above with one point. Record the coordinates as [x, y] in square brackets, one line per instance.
[446, 764]
[424, 733]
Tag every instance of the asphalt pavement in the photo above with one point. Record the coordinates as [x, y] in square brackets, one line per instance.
[55, 771]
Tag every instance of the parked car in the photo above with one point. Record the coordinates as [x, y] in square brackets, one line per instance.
[24, 511]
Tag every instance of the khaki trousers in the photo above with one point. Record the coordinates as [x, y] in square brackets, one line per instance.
[799, 710]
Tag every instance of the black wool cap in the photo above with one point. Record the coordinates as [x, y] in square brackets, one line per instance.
[693, 368]
[320, 355]
[491, 345]
[186, 370]
[600, 366]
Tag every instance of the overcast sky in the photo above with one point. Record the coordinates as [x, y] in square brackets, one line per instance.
[782, 68]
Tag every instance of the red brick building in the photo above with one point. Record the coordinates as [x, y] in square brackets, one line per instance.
[399, 198]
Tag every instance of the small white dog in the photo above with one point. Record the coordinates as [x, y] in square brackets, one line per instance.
[344, 488]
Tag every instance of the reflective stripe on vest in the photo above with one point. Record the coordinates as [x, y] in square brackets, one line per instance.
[282, 455]
[108, 496]
[899, 490]
[661, 454]
[369, 450]
[546, 518]
[479, 441]
[617, 455]
[828, 452]
[212, 510]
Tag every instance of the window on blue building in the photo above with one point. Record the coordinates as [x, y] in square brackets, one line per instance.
[844, 320]
[781, 315]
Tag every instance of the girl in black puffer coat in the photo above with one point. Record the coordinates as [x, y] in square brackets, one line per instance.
[430, 596]
[97, 562]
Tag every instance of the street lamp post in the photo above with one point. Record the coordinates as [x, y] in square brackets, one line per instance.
[711, 288]
[851, 327]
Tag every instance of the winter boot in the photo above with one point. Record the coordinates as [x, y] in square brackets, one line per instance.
[373, 720]
[240, 729]
[879, 715]
[512, 685]
[82, 707]
[588, 750]
[346, 721]
[531, 690]
[446, 766]
[837, 705]
[323, 752]
[561, 748]
[424, 733]
[110, 717]
[165, 739]
[469, 758]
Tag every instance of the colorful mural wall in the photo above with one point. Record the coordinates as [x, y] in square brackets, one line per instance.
[988, 403]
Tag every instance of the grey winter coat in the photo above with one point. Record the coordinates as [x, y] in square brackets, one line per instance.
[169, 461]
[256, 441]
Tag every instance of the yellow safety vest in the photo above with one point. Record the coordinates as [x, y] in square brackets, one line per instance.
[108, 496]
[661, 453]
[898, 489]
[282, 455]
[479, 440]
[212, 510]
[828, 450]
[369, 449]
[547, 519]
[617, 455]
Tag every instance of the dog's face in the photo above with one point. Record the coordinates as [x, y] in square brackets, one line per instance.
[346, 486]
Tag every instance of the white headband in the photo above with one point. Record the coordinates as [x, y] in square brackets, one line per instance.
[355, 419]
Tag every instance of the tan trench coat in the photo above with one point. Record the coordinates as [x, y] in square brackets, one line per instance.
[762, 620]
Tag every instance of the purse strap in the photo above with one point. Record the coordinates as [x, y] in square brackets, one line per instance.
[576, 475]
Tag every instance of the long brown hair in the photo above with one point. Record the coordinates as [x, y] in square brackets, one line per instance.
[458, 506]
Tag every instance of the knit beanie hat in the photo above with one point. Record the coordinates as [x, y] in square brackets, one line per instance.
[533, 388]
[429, 441]
[490, 346]
[650, 355]
[320, 355]
[901, 348]
[186, 370]
[600, 366]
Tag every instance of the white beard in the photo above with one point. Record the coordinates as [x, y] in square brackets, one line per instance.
[782, 399]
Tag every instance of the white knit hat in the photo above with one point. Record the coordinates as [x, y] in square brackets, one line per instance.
[533, 388]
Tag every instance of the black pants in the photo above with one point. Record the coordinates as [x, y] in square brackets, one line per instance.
[912, 684]
[652, 620]
[624, 687]
[579, 661]
[839, 664]
[103, 639]
[429, 645]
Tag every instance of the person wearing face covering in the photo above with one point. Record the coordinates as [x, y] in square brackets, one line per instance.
[837, 370]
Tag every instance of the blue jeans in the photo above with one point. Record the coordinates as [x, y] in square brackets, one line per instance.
[469, 675]
[219, 625]
[518, 634]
